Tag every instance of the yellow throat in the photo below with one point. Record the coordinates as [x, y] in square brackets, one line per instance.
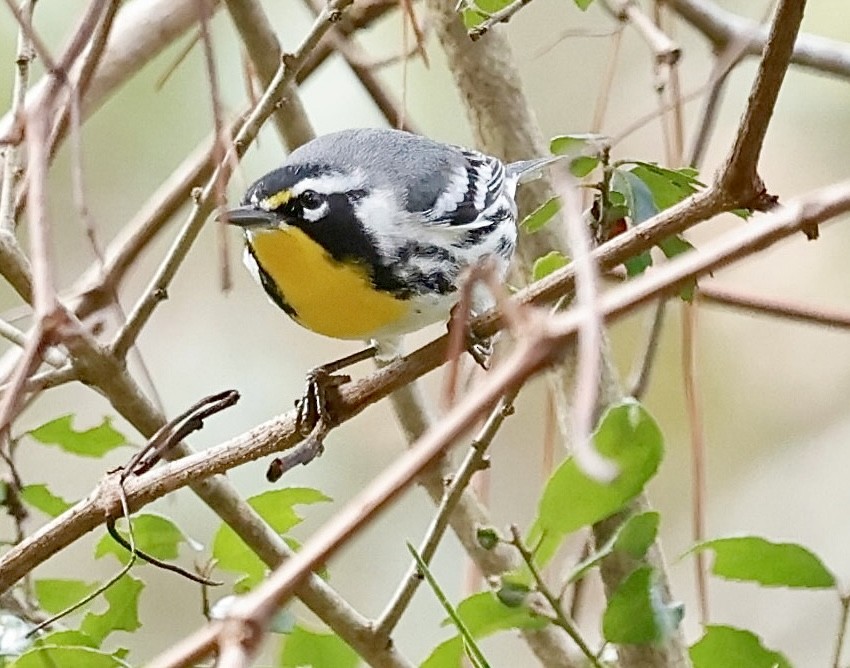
[329, 297]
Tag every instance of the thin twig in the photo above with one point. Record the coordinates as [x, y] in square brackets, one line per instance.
[12, 166]
[280, 433]
[474, 461]
[502, 16]
[557, 609]
[639, 378]
[693, 410]
[713, 293]
[156, 290]
[842, 630]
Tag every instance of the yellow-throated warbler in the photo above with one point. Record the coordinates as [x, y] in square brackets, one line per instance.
[364, 234]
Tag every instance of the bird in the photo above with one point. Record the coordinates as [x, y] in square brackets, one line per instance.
[365, 233]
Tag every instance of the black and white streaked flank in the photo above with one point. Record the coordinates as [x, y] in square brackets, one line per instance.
[415, 212]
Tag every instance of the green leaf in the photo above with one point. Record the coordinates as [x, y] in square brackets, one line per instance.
[724, 646]
[156, 535]
[94, 442]
[577, 143]
[582, 165]
[629, 437]
[668, 186]
[755, 559]
[538, 218]
[122, 613]
[638, 264]
[671, 247]
[675, 245]
[41, 498]
[543, 266]
[56, 595]
[636, 614]
[69, 639]
[633, 537]
[637, 534]
[303, 647]
[50, 655]
[583, 4]
[277, 508]
[448, 654]
[484, 615]
[638, 196]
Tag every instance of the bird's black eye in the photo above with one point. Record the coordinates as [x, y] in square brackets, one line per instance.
[310, 199]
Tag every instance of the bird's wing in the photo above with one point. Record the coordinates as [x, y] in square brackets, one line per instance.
[475, 183]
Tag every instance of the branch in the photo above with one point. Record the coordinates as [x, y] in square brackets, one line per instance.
[290, 117]
[280, 433]
[547, 339]
[157, 289]
[722, 27]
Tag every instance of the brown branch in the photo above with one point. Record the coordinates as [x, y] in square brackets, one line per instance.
[739, 174]
[256, 32]
[722, 27]
[713, 294]
[546, 339]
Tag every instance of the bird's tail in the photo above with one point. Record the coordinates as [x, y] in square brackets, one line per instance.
[528, 170]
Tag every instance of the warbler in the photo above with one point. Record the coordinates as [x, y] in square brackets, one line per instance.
[365, 233]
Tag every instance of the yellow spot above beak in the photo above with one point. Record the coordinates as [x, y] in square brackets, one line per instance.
[272, 202]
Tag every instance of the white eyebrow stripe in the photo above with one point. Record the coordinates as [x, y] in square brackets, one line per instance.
[328, 184]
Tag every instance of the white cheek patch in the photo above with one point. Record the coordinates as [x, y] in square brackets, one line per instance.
[312, 215]
[328, 184]
[380, 212]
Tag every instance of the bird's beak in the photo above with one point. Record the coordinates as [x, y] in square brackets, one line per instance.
[248, 217]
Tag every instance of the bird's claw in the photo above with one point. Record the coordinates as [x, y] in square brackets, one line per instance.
[313, 406]
[481, 350]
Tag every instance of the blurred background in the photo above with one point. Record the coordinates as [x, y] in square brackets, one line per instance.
[774, 393]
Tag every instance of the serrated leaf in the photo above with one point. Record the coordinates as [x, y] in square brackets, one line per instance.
[154, 534]
[41, 498]
[303, 647]
[668, 186]
[724, 646]
[56, 595]
[582, 165]
[629, 437]
[636, 614]
[755, 559]
[94, 442]
[50, 655]
[576, 143]
[634, 537]
[543, 266]
[122, 613]
[538, 218]
[277, 508]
